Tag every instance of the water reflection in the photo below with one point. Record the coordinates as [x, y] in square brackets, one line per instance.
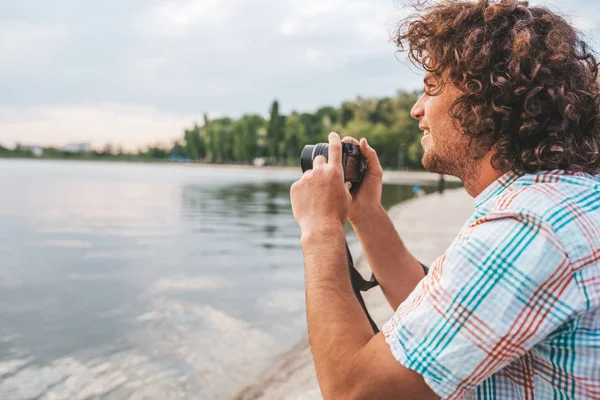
[251, 206]
[123, 280]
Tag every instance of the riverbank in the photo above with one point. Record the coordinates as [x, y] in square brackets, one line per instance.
[392, 177]
[389, 176]
[427, 226]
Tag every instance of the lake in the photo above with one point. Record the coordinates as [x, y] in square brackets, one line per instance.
[137, 281]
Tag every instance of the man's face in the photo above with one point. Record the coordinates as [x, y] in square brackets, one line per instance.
[446, 149]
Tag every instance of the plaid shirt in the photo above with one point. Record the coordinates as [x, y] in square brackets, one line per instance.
[511, 309]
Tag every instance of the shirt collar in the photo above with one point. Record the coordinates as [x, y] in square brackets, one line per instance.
[496, 187]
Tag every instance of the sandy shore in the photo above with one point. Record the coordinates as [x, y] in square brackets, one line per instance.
[390, 176]
[427, 226]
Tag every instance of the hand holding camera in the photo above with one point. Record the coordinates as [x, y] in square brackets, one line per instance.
[361, 168]
[323, 192]
[320, 199]
[366, 195]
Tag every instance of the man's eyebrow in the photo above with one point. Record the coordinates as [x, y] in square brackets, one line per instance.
[427, 77]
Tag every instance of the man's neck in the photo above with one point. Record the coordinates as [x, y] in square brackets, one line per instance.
[478, 178]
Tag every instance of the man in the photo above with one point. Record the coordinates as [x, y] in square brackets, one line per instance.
[511, 309]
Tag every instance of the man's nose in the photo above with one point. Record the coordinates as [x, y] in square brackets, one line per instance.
[418, 110]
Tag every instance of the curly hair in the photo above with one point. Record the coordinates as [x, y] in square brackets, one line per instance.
[528, 82]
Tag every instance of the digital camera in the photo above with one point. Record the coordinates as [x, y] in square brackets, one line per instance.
[352, 160]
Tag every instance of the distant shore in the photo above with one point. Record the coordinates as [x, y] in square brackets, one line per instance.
[389, 176]
[427, 226]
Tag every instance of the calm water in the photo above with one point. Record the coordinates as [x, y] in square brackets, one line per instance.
[145, 281]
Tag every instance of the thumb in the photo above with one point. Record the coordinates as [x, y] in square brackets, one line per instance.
[371, 158]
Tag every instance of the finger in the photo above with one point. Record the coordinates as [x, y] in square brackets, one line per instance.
[335, 149]
[371, 158]
[294, 188]
[307, 174]
[350, 139]
[319, 162]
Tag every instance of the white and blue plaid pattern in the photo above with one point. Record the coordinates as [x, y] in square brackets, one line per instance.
[511, 309]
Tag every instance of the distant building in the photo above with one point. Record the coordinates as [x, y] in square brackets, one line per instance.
[77, 148]
[259, 162]
[35, 150]
[180, 159]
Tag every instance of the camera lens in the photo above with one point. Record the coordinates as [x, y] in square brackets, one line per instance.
[309, 152]
[306, 157]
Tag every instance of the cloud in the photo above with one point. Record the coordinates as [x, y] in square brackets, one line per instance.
[133, 126]
[190, 56]
[179, 17]
[28, 43]
[186, 57]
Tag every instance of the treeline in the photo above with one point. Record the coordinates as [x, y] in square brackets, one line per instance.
[108, 153]
[279, 139]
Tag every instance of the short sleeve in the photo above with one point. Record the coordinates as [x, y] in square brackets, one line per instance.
[502, 287]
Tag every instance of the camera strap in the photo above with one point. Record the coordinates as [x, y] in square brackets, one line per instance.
[360, 284]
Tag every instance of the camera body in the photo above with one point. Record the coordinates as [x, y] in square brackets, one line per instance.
[352, 160]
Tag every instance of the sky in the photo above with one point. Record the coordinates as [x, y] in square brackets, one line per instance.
[138, 72]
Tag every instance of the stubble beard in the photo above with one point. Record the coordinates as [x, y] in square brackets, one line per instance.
[447, 159]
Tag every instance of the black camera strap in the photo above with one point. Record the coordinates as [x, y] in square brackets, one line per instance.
[360, 284]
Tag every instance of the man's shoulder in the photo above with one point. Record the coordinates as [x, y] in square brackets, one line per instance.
[552, 198]
[544, 191]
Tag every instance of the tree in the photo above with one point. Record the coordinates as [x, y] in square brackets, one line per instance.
[275, 130]
[219, 134]
[328, 116]
[295, 138]
[108, 150]
[178, 150]
[245, 137]
[347, 113]
[384, 112]
[156, 152]
[314, 131]
[385, 122]
[195, 146]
